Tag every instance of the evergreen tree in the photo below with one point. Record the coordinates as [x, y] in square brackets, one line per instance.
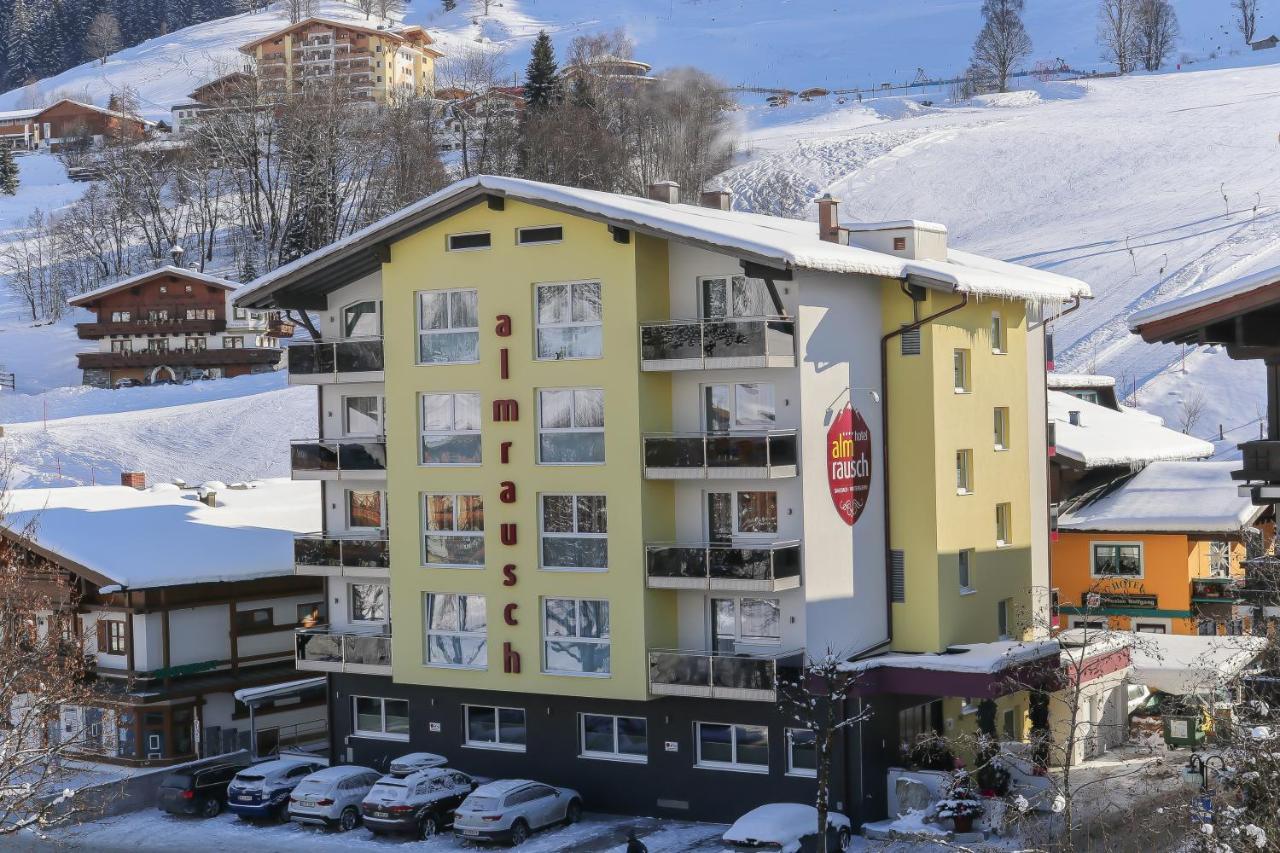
[450, 5]
[8, 172]
[19, 46]
[542, 81]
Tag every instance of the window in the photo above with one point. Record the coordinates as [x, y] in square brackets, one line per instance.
[899, 244]
[121, 316]
[495, 728]
[361, 319]
[236, 313]
[469, 242]
[456, 630]
[196, 344]
[1206, 627]
[1087, 396]
[122, 345]
[742, 404]
[1113, 559]
[734, 296]
[751, 621]
[569, 320]
[364, 509]
[1089, 624]
[368, 602]
[571, 426]
[1219, 559]
[1002, 618]
[450, 429]
[1151, 628]
[233, 342]
[574, 532]
[964, 472]
[208, 313]
[454, 530]
[254, 620]
[575, 636]
[736, 515]
[112, 638]
[960, 370]
[362, 415]
[617, 738]
[541, 234]
[966, 558]
[802, 752]
[1001, 428]
[157, 344]
[376, 717]
[317, 610]
[1004, 525]
[999, 344]
[448, 327]
[731, 747]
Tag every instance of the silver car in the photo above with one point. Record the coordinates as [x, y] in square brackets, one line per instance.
[331, 797]
[511, 809]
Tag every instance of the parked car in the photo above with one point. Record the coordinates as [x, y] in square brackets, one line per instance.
[198, 790]
[415, 761]
[263, 789]
[331, 797]
[789, 827]
[512, 809]
[421, 803]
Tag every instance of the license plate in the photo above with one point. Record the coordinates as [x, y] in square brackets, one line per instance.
[470, 832]
[244, 799]
[381, 814]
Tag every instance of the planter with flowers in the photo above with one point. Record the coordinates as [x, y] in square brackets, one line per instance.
[960, 802]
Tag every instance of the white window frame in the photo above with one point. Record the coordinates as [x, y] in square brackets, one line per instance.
[616, 754]
[1004, 608]
[792, 770]
[423, 432]
[999, 335]
[734, 765]
[346, 423]
[449, 330]
[496, 744]
[1221, 544]
[576, 638]
[427, 633]
[736, 423]
[1000, 427]
[351, 603]
[520, 231]
[378, 735]
[1138, 621]
[962, 364]
[448, 240]
[738, 535]
[543, 535]
[567, 324]
[728, 279]
[964, 472]
[738, 638]
[1116, 543]
[233, 342]
[122, 344]
[573, 413]
[965, 558]
[1087, 624]
[424, 532]
[382, 508]
[377, 318]
[1004, 518]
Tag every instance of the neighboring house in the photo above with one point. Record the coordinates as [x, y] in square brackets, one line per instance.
[376, 64]
[182, 596]
[1159, 552]
[19, 129]
[466, 116]
[175, 325]
[1090, 387]
[68, 122]
[1091, 712]
[1265, 44]
[210, 97]
[614, 69]
[611, 465]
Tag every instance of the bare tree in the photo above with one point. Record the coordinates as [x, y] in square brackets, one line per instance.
[1001, 44]
[482, 122]
[102, 38]
[300, 9]
[1118, 33]
[1191, 409]
[1246, 18]
[27, 262]
[1157, 32]
[365, 6]
[387, 8]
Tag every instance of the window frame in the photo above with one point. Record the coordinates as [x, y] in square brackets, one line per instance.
[1004, 519]
[382, 706]
[233, 341]
[520, 231]
[962, 369]
[382, 509]
[736, 534]
[616, 754]
[450, 329]
[538, 325]
[735, 765]
[964, 469]
[114, 634]
[1214, 570]
[449, 238]
[739, 638]
[1000, 428]
[792, 770]
[425, 532]
[729, 316]
[999, 335]
[377, 319]
[543, 535]
[423, 432]
[351, 603]
[1117, 544]
[428, 599]
[735, 423]
[965, 558]
[1004, 614]
[573, 413]
[346, 412]
[577, 638]
[497, 744]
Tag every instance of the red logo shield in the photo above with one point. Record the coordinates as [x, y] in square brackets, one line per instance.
[849, 464]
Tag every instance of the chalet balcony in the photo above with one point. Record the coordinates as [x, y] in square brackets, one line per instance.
[351, 555]
[318, 459]
[280, 327]
[767, 567]
[1261, 469]
[720, 455]
[331, 650]
[712, 675]
[729, 342]
[177, 326]
[351, 360]
[1224, 590]
[179, 357]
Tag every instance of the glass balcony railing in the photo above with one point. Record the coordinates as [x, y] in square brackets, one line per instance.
[362, 556]
[723, 455]
[719, 342]
[768, 567]
[329, 650]
[335, 358]
[350, 456]
[1219, 590]
[718, 676]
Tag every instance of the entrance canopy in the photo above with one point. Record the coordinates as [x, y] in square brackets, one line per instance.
[977, 670]
[1183, 665]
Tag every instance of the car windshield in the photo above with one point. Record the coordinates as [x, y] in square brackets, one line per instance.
[482, 804]
[250, 778]
[387, 791]
[312, 785]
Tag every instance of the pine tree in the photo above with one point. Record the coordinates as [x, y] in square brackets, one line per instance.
[450, 5]
[542, 81]
[8, 172]
[19, 47]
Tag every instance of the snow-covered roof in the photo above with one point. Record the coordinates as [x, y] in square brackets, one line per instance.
[1080, 380]
[771, 240]
[287, 688]
[394, 34]
[1169, 497]
[1183, 664]
[178, 272]
[976, 658]
[19, 115]
[1107, 437]
[1206, 297]
[165, 536]
[895, 224]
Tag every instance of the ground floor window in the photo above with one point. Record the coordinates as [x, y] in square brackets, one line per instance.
[1091, 624]
[617, 738]
[802, 752]
[732, 747]
[495, 728]
[377, 717]
[1150, 628]
[1206, 627]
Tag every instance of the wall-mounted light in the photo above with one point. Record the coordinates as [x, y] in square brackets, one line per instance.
[873, 393]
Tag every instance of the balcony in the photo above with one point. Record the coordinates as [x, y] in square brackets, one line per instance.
[719, 343]
[179, 357]
[341, 556]
[720, 455]
[1224, 590]
[351, 360]
[330, 650]
[711, 675]
[1261, 467]
[317, 459]
[176, 326]
[769, 567]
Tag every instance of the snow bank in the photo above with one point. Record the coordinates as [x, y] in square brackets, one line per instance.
[1172, 497]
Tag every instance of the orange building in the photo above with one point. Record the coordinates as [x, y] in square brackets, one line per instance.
[1160, 552]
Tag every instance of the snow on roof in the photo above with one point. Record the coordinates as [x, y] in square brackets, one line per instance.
[396, 33]
[1205, 298]
[979, 658]
[143, 538]
[1184, 664]
[169, 269]
[249, 694]
[19, 115]
[771, 239]
[1080, 380]
[1171, 497]
[1107, 437]
[894, 224]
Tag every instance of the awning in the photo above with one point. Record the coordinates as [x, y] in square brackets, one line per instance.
[1184, 665]
[976, 670]
[254, 695]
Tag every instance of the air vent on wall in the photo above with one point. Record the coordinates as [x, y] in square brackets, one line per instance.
[898, 568]
[911, 342]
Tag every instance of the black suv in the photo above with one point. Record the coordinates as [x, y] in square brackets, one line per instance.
[198, 790]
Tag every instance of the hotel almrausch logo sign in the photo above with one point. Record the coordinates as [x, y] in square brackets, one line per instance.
[849, 464]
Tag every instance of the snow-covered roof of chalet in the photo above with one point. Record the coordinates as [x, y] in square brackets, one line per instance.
[19, 115]
[975, 658]
[1080, 380]
[393, 33]
[768, 240]
[177, 272]
[1185, 665]
[117, 536]
[1169, 497]
[895, 225]
[1204, 298]
[1107, 437]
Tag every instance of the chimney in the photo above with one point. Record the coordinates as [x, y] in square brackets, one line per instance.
[1073, 417]
[133, 479]
[665, 191]
[829, 219]
[717, 199]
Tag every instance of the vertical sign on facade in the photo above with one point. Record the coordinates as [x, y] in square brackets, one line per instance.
[849, 464]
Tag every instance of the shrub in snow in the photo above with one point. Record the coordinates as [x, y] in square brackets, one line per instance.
[959, 800]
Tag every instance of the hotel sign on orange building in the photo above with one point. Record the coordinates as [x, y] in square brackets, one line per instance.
[849, 464]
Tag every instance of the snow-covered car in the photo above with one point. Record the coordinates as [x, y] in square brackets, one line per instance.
[415, 761]
[511, 809]
[197, 790]
[788, 827]
[420, 803]
[263, 789]
[331, 797]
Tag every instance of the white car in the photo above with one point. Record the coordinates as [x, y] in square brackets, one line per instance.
[331, 797]
[787, 827]
[511, 809]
